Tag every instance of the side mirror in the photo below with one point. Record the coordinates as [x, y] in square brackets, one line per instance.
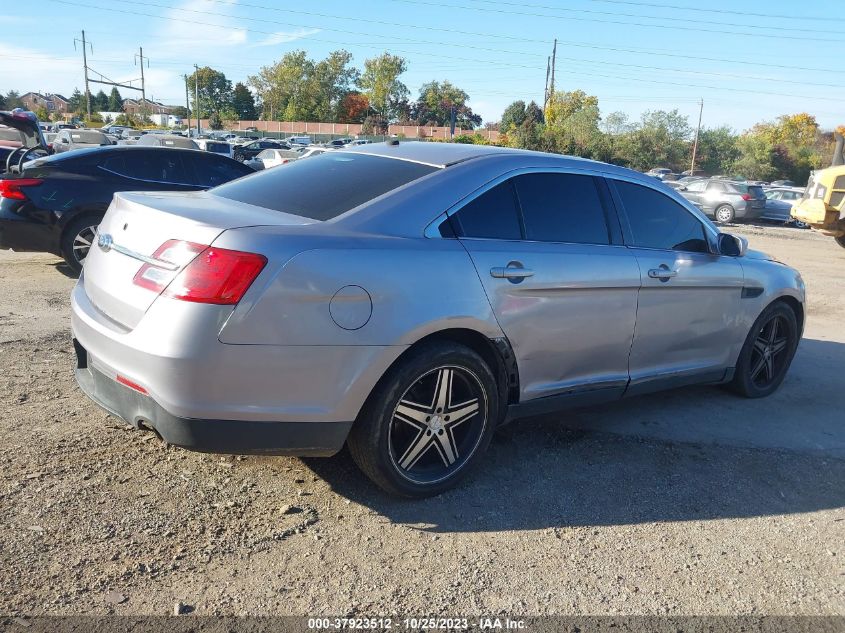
[732, 245]
[682, 188]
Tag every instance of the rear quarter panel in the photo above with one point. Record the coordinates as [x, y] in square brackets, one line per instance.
[415, 286]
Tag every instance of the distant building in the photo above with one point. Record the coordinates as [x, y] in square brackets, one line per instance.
[134, 107]
[53, 103]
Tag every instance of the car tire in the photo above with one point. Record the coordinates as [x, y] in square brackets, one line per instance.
[404, 439]
[724, 214]
[74, 237]
[840, 240]
[767, 353]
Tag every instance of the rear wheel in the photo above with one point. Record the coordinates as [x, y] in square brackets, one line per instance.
[724, 214]
[77, 239]
[767, 353]
[428, 422]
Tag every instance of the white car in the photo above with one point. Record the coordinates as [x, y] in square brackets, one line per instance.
[268, 158]
[307, 152]
[215, 146]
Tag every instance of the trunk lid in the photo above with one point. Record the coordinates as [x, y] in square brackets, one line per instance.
[137, 224]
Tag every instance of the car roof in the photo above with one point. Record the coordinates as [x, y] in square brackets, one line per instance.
[432, 153]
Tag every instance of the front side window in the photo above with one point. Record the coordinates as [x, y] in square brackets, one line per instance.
[697, 186]
[492, 215]
[659, 222]
[561, 208]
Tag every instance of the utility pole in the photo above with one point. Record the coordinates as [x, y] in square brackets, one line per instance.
[143, 87]
[697, 130]
[187, 103]
[546, 92]
[85, 65]
[197, 96]
[552, 85]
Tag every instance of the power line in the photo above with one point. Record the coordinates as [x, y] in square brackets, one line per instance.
[722, 11]
[651, 17]
[698, 29]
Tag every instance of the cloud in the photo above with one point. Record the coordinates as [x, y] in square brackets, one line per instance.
[282, 37]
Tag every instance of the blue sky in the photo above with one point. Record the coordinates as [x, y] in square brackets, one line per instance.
[749, 61]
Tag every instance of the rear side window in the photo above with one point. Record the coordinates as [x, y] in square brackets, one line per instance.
[492, 215]
[165, 167]
[211, 172]
[561, 208]
[657, 221]
[324, 187]
[716, 186]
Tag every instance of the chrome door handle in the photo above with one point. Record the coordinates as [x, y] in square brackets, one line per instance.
[508, 272]
[662, 273]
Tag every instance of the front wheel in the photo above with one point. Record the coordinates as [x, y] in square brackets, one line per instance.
[767, 352]
[427, 422]
[724, 214]
[77, 240]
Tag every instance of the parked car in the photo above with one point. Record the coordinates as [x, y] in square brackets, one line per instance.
[20, 139]
[658, 172]
[338, 143]
[251, 150]
[298, 140]
[55, 203]
[68, 140]
[129, 134]
[726, 200]
[700, 173]
[781, 183]
[779, 206]
[268, 158]
[214, 145]
[308, 152]
[407, 299]
[359, 141]
[167, 140]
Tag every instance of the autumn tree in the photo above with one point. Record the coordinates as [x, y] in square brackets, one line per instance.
[435, 104]
[353, 108]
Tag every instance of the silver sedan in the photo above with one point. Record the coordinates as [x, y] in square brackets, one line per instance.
[408, 298]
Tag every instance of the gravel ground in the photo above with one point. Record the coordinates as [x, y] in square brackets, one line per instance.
[692, 502]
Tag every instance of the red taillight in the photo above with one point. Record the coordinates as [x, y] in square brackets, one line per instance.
[212, 275]
[747, 197]
[13, 188]
[217, 275]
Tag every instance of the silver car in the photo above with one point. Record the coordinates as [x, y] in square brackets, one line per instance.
[408, 298]
[726, 200]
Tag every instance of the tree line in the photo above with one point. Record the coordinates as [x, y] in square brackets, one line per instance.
[788, 147]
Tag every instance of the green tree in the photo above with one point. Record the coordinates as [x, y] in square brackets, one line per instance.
[215, 122]
[215, 91]
[42, 114]
[435, 103]
[572, 124]
[512, 117]
[380, 82]
[243, 103]
[115, 101]
[284, 87]
[13, 100]
[100, 101]
[661, 139]
[331, 80]
[562, 105]
[77, 104]
[717, 150]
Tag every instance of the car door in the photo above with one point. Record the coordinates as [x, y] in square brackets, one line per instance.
[695, 191]
[560, 283]
[686, 329]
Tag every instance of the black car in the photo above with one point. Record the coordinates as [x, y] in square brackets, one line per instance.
[55, 203]
[251, 150]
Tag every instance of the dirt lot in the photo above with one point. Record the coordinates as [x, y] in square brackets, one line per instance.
[692, 502]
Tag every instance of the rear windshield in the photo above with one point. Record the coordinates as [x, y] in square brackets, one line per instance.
[93, 138]
[324, 187]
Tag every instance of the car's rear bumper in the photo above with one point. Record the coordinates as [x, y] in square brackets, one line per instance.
[211, 436]
[21, 233]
